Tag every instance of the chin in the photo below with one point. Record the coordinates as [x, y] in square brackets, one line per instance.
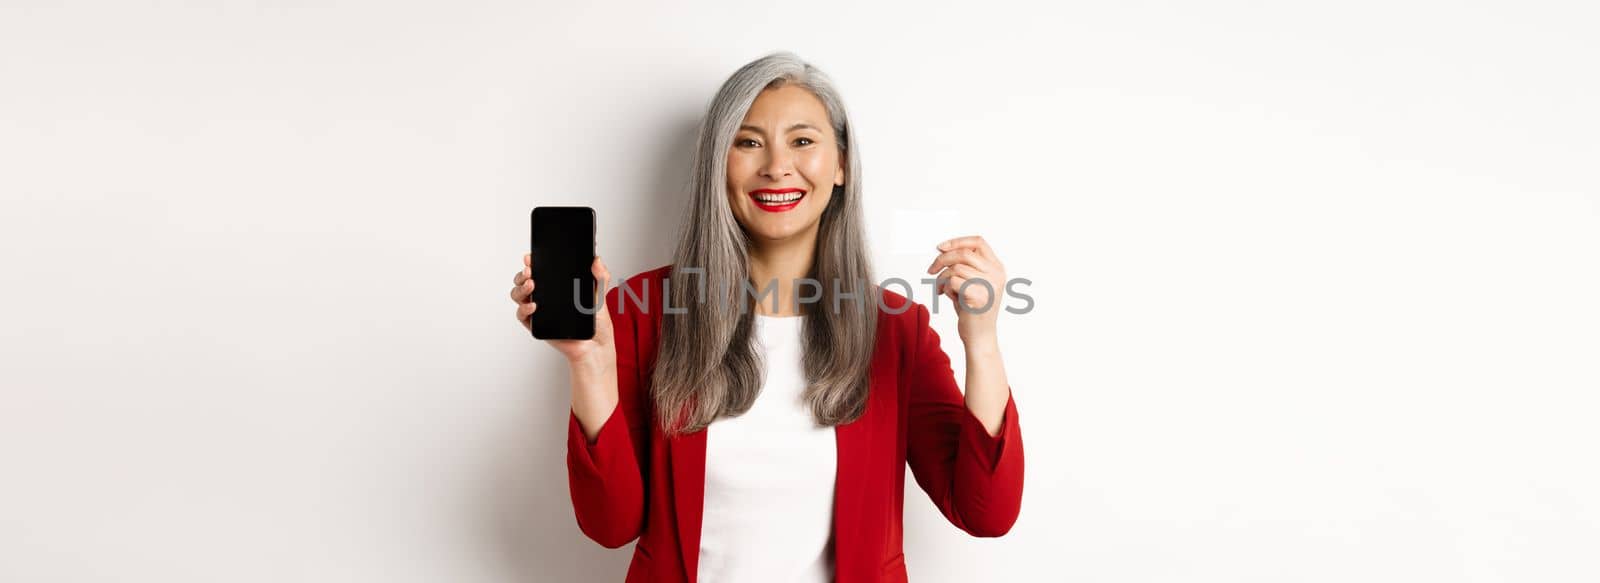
[768, 232]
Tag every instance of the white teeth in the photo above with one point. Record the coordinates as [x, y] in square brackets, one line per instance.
[779, 198]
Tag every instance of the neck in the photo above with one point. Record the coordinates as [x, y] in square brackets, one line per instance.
[783, 262]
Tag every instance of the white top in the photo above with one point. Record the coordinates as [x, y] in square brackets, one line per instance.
[770, 478]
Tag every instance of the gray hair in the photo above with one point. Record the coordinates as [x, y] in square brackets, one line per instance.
[707, 364]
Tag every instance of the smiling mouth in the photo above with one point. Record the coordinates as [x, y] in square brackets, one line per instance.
[777, 201]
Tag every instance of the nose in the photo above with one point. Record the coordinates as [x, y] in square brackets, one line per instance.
[778, 164]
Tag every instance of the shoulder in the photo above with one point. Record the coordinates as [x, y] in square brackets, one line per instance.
[640, 280]
[638, 292]
[644, 281]
[903, 317]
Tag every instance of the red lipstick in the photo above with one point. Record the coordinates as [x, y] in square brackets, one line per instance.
[777, 200]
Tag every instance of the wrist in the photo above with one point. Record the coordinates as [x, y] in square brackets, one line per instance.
[596, 364]
[976, 344]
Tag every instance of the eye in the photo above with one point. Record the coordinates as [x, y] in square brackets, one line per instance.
[742, 142]
[798, 141]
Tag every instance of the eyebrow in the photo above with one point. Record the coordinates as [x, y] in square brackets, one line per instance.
[798, 126]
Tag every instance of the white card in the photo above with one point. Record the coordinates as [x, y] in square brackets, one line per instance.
[919, 231]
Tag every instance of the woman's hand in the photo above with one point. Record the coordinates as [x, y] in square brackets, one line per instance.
[598, 350]
[970, 259]
[592, 363]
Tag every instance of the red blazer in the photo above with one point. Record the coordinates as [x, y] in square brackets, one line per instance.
[633, 482]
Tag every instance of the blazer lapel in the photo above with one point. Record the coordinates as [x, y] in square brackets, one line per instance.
[852, 439]
[855, 439]
[689, 494]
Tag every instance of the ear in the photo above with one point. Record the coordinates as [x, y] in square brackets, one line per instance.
[838, 175]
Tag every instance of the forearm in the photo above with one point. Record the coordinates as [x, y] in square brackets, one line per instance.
[987, 388]
[594, 392]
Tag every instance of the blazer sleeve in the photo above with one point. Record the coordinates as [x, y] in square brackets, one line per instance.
[606, 476]
[974, 478]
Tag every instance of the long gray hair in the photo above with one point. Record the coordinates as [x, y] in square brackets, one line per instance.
[707, 364]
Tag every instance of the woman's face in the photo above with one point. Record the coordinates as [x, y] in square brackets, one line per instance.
[784, 149]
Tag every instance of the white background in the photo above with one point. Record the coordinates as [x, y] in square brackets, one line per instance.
[1315, 285]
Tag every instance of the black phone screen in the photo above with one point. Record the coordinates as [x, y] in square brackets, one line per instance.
[562, 253]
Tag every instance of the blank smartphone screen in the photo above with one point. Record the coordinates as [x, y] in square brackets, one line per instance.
[563, 251]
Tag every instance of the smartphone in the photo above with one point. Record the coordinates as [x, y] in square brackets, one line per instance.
[563, 250]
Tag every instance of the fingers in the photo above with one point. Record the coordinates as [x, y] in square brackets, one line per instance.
[602, 281]
[955, 277]
[521, 291]
[973, 241]
[961, 255]
[525, 308]
[963, 260]
[957, 274]
[602, 276]
[952, 284]
[527, 269]
[963, 271]
[970, 241]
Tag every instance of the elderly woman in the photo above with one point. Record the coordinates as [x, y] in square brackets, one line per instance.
[745, 430]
